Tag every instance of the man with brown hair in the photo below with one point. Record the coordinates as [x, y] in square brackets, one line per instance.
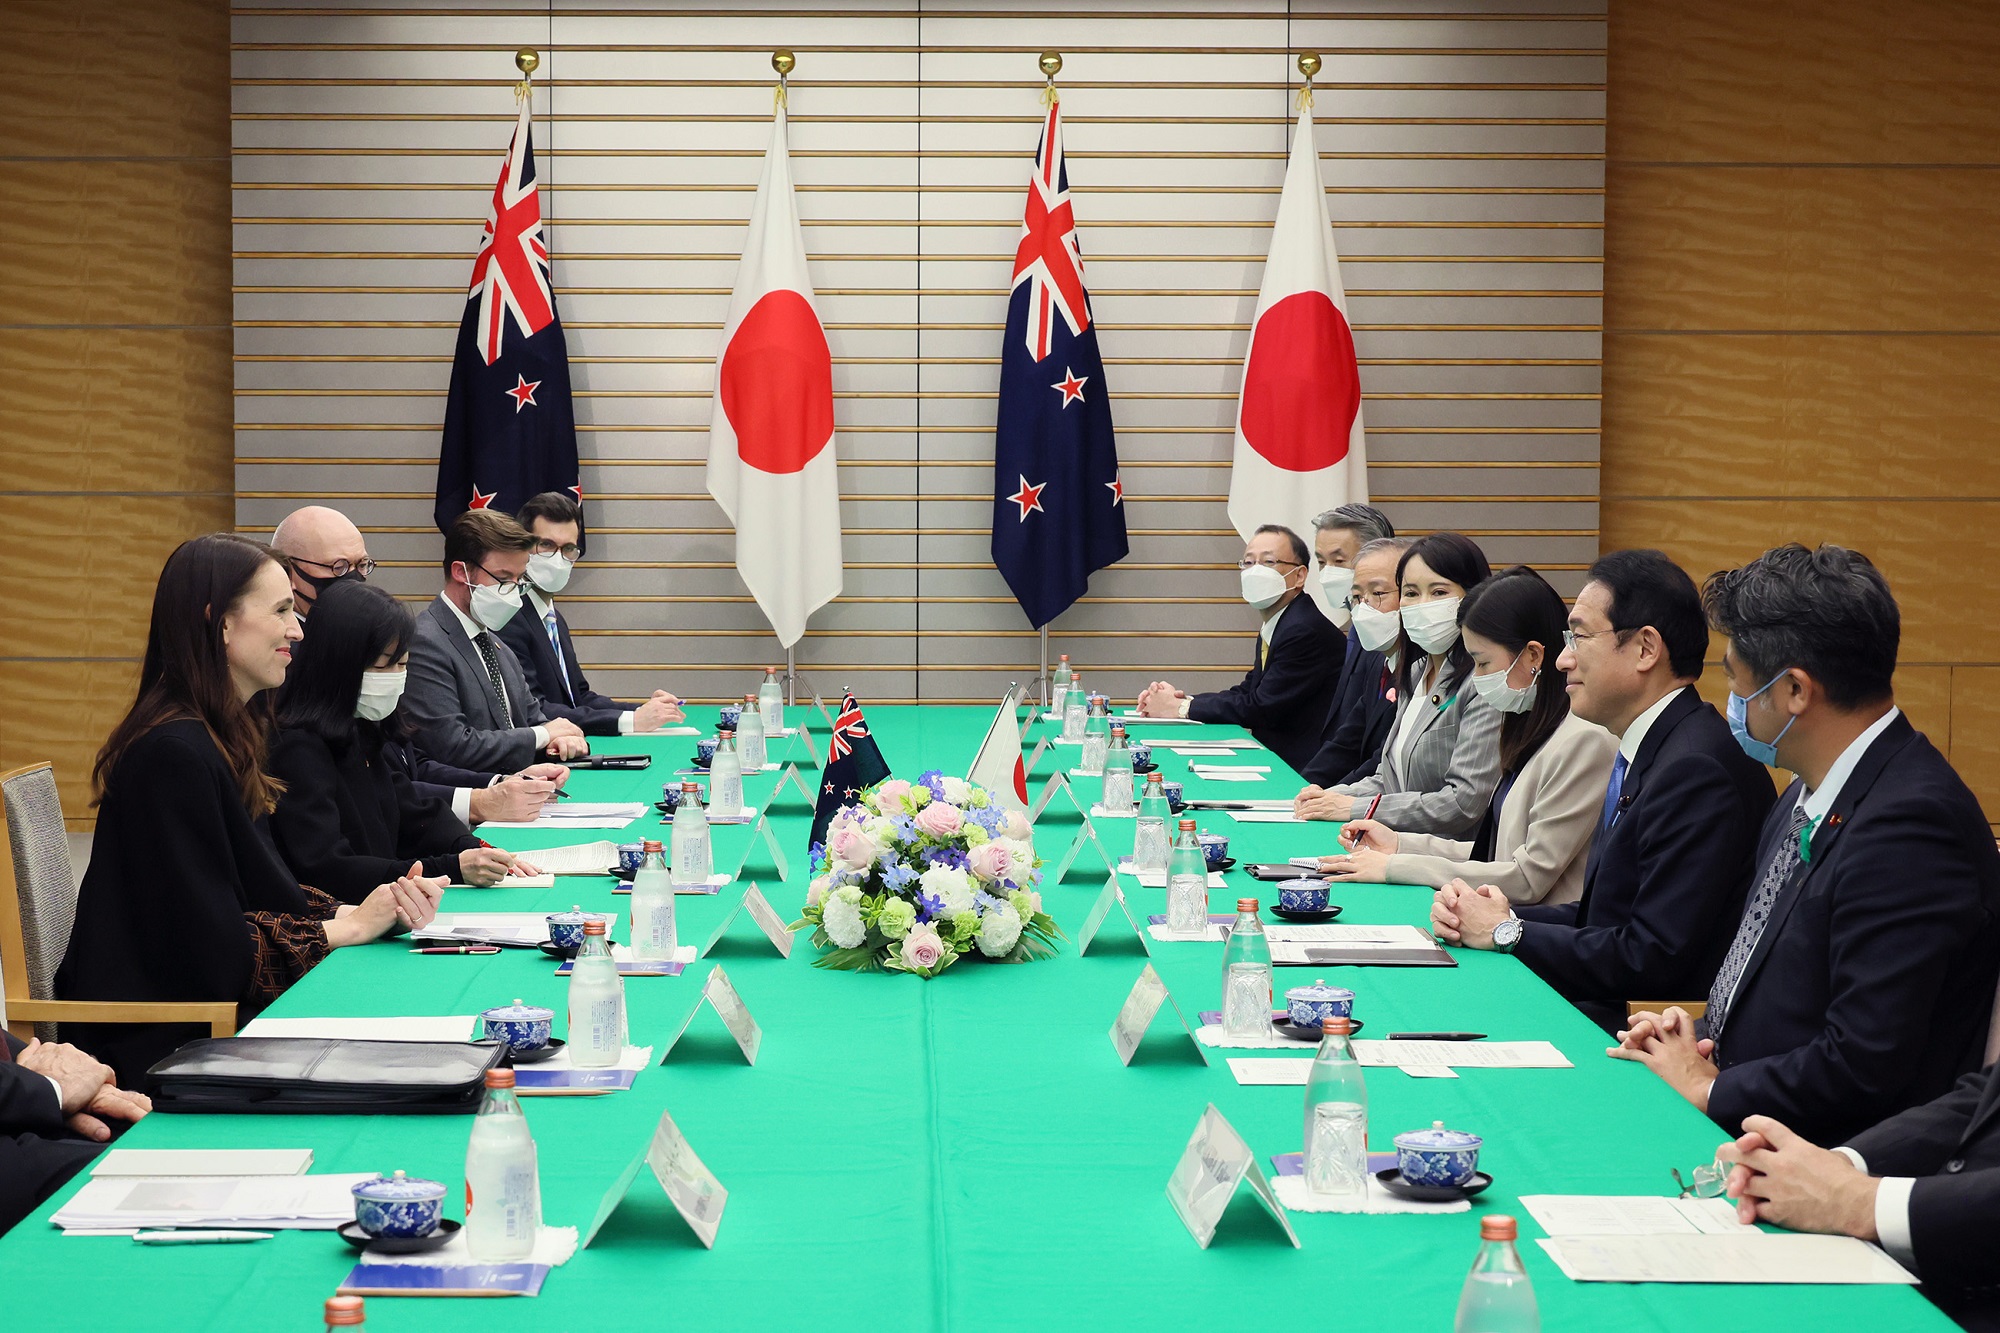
[468, 701]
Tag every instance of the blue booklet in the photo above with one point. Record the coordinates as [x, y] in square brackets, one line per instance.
[529, 1080]
[368, 1279]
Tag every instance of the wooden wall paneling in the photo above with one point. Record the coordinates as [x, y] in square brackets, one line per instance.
[60, 710]
[1975, 732]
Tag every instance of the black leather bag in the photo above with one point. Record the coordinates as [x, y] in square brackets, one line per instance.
[323, 1076]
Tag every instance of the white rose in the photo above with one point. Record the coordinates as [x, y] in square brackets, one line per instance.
[957, 790]
[999, 929]
[843, 922]
[949, 885]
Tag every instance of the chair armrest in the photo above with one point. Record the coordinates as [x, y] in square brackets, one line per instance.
[219, 1015]
[1695, 1008]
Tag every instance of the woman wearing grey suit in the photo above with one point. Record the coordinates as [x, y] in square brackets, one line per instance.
[1534, 841]
[1441, 761]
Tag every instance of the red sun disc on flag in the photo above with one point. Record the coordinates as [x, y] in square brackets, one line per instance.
[777, 384]
[1301, 390]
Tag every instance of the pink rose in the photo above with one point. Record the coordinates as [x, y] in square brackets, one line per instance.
[922, 947]
[990, 861]
[1018, 827]
[851, 847]
[940, 819]
[889, 796]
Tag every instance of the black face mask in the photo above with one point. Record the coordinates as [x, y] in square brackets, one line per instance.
[321, 582]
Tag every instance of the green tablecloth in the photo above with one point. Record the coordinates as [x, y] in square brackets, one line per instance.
[963, 1153]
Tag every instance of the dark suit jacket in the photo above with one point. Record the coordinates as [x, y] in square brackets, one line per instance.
[563, 692]
[1663, 891]
[1952, 1147]
[1284, 701]
[1870, 987]
[1359, 722]
[427, 776]
[348, 821]
[449, 704]
[38, 1154]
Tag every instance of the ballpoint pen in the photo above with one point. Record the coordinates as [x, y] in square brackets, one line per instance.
[460, 948]
[1437, 1036]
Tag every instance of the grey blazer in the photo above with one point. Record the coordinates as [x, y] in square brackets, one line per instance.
[1541, 843]
[449, 705]
[1446, 782]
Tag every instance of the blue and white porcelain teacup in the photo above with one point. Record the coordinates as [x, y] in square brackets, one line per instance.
[704, 751]
[1215, 847]
[399, 1206]
[1310, 1006]
[631, 855]
[670, 796]
[1176, 795]
[525, 1027]
[1302, 895]
[1142, 755]
[1445, 1158]
[731, 715]
[566, 928]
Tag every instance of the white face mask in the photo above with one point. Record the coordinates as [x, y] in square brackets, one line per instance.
[493, 608]
[549, 572]
[381, 691]
[1262, 585]
[1336, 581]
[1495, 690]
[1375, 629]
[1432, 626]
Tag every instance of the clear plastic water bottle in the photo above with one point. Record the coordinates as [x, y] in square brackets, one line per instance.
[596, 1003]
[1149, 834]
[1336, 1127]
[1075, 711]
[1497, 1297]
[694, 858]
[503, 1185]
[771, 703]
[1117, 797]
[1246, 974]
[1096, 735]
[750, 748]
[1059, 684]
[725, 775]
[1187, 883]
[653, 935]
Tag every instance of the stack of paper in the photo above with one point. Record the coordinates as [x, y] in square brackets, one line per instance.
[1329, 945]
[1229, 772]
[578, 858]
[203, 1162]
[579, 815]
[1642, 1238]
[452, 1027]
[520, 929]
[124, 1204]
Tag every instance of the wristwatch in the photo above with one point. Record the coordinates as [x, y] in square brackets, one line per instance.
[1507, 934]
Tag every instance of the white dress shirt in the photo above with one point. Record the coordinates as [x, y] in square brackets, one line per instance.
[1635, 735]
[473, 629]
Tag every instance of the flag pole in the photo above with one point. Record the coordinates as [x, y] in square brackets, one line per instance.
[1042, 681]
[791, 679]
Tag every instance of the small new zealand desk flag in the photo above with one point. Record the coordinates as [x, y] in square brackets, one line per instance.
[853, 762]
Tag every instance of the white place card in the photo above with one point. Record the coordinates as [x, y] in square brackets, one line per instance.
[791, 778]
[1215, 1161]
[1270, 1071]
[768, 921]
[1057, 785]
[1086, 835]
[720, 995]
[1142, 1004]
[1100, 911]
[763, 833]
[692, 1188]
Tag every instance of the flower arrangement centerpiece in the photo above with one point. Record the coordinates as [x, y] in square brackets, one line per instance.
[914, 876]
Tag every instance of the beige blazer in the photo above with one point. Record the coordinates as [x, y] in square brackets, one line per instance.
[1543, 841]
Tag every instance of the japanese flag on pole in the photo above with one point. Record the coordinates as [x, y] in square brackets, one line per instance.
[770, 440]
[1299, 443]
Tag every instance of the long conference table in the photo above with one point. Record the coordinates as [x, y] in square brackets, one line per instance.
[964, 1153]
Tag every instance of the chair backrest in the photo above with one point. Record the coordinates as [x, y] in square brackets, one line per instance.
[1993, 1031]
[44, 899]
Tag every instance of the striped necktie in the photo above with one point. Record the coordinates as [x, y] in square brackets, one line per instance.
[555, 645]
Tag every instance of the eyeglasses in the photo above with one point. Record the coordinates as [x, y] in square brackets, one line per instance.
[340, 569]
[1571, 638]
[1271, 563]
[505, 585]
[1709, 1181]
[569, 552]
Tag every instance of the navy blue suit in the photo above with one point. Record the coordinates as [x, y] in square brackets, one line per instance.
[1663, 890]
[559, 685]
[1283, 699]
[1870, 988]
[1364, 708]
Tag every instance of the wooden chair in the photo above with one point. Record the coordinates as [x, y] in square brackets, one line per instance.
[37, 907]
[1695, 1008]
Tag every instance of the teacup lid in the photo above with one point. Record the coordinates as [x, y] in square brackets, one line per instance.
[1215, 837]
[1301, 882]
[519, 1013]
[1319, 990]
[398, 1188]
[575, 916]
[1437, 1136]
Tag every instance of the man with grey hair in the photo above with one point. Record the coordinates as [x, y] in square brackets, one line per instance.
[1338, 536]
[1364, 700]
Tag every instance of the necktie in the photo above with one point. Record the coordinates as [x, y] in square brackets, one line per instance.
[1756, 914]
[492, 658]
[555, 643]
[1263, 651]
[1611, 795]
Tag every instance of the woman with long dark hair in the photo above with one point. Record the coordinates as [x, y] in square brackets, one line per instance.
[1534, 842]
[1442, 758]
[186, 898]
[348, 819]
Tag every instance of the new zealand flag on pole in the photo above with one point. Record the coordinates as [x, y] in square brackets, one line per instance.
[1058, 503]
[853, 762]
[508, 431]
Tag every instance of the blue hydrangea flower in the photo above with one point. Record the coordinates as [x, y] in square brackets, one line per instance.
[928, 907]
[896, 876]
[986, 902]
[991, 818]
[934, 779]
[906, 828]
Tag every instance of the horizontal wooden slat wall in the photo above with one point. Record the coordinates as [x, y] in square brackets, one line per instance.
[1462, 145]
[1803, 311]
[117, 350]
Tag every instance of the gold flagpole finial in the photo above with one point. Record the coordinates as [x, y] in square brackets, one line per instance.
[1309, 64]
[527, 60]
[1051, 65]
[784, 62]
